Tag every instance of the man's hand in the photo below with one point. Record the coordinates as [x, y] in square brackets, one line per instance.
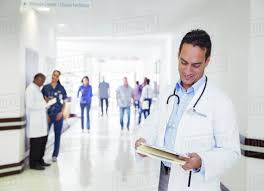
[139, 142]
[59, 116]
[49, 119]
[193, 162]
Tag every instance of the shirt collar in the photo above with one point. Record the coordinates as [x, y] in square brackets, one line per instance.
[193, 88]
[36, 85]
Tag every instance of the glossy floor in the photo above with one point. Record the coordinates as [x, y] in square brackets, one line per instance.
[100, 160]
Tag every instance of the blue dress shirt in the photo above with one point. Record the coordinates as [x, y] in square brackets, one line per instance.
[177, 112]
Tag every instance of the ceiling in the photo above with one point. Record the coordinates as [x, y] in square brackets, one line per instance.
[122, 27]
[109, 46]
[122, 17]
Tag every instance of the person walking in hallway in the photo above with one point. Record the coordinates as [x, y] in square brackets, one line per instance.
[124, 94]
[37, 123]
[104, 95]
[145, 100]
[85, 101]
[136, 95]
[55, 112]
[194, 119]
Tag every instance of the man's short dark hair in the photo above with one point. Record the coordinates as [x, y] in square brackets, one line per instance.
[199, 38]
[148, 81]
[39, 75]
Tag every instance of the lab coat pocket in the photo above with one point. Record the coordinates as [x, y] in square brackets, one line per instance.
[198, 133]
[199, 123]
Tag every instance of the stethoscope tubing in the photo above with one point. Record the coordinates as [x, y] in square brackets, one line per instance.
[197, 101]
[178, 98]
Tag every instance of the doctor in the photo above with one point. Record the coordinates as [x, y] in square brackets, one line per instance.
[37, 123]
[196, 119]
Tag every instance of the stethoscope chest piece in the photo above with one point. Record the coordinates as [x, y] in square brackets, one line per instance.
[178, 98]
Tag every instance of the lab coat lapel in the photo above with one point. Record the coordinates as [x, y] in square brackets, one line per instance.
[196, 97]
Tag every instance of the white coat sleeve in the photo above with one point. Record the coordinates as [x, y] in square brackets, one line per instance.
[31, 102]
[147, 131]
[227, 145]
[150, 127]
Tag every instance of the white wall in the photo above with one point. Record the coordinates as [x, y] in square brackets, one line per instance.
[255, 167]
[34, 35]
[256, 68]
[38, 34]
[47, 48]
[10, 102]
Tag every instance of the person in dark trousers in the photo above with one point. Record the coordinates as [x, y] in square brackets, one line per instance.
[104, 95]
[137, 93]
[37, 124]
[145, 100]
[85, 101]
[124, 94]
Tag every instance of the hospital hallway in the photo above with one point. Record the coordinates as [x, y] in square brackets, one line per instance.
[198, 65]
[103, 159]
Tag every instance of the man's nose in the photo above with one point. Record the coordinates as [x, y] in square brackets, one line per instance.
[188, 69]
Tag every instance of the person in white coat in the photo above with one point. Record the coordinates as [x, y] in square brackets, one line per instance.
[145, 100]
[194, 119]
[37, 123]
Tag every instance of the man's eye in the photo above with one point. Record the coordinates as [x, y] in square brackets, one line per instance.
[196, 65]
[184, 63]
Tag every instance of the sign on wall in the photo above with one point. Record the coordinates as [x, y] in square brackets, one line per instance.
[57, 3]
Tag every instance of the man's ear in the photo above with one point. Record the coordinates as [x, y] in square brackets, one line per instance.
[207, 61]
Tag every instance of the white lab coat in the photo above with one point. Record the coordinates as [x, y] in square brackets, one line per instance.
[214, 137]
[147, 93]
[37, 124]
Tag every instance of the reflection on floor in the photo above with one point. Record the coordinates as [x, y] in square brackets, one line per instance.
[100, 160]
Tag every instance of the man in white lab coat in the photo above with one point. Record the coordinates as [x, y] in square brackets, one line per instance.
[194, 119]
[37, 124]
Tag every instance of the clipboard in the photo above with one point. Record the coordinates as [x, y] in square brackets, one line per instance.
[160, 154]
[51, 102]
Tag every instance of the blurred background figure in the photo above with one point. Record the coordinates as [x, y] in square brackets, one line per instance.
[136, 95]
[124, 94]
[145, 100]
[85, 101]
[104, 95]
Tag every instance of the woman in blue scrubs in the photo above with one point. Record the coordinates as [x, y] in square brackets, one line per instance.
[55, 112]
[85, 101]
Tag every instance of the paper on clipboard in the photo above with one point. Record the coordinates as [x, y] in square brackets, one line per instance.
[51, 102]
[160, 154]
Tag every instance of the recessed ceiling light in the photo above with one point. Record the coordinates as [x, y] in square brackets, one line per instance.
[43, 9]
[61, 25]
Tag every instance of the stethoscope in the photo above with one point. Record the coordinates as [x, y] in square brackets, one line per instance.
[193, 109]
